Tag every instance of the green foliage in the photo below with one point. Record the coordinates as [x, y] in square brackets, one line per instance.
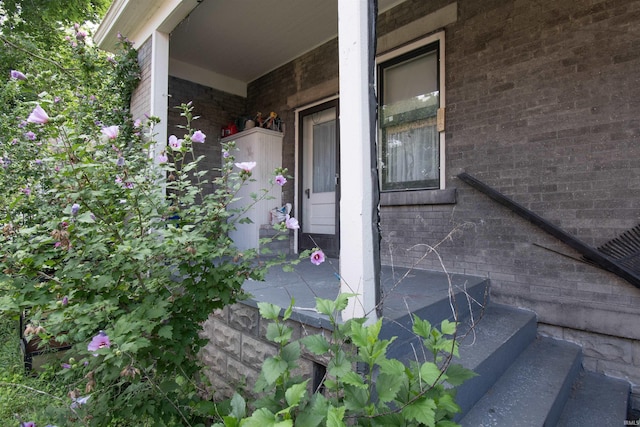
[41, 18]
[361, 387]
[119, 254]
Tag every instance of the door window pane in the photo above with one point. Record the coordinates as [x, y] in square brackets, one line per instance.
[324, 157]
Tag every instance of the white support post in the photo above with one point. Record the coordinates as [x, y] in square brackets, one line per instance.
[359, 256]
[159, 103]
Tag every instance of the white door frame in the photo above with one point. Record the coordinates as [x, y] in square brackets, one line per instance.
[297, 169]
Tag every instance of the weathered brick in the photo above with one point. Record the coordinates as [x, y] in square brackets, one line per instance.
[254, 351]
[224, 337]
[244, 318]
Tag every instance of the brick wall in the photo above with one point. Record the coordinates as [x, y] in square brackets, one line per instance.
[237, 348]
[273, 91]
[542, 104]
[215, 110]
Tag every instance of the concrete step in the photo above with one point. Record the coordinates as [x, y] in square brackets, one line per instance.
[533, 390]
[430, 295]
[596, 400]
[487, 343]
[278, 243]
[490, 343]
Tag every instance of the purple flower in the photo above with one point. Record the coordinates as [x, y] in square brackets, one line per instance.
[65, 300]
[281, 180]
[17, 75]
[75, 403]
[137, 123]
[246, 166]
[66, 366]
[225, 154]
[28, 424]
[99, 341]
[30, 136]
[118, 180]
[38, 115]
[74, 209]
[198, 136]
[317, 257]
[111, 132]
[291, 223]
[162, 158]
[129, 185]
[27, 191]
[175, 143]
[120, 161]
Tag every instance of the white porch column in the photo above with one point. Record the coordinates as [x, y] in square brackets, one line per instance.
[359, 244]
[159, 102]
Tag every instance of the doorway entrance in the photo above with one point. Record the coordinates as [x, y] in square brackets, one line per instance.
[319, 190]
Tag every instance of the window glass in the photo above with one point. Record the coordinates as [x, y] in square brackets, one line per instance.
[324, 157]
[409, 103]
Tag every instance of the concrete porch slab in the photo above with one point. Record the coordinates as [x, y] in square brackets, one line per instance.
[404, 290]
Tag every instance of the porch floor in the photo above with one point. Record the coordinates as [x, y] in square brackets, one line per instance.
[403, 290]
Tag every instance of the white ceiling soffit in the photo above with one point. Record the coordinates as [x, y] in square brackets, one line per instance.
[245, 39]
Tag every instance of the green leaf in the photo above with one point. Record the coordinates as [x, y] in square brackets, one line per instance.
[238, 406]
[273, 368]
[392, 367]
[295, 393]
[446, 403]
[315, 413]
[264, 418]
[388, 386]
[447, 327]
[291, 352]
[335, 417]
[269, 311]
[457, 374]
[342, 300]
[339, 365]
[422, 410]
[430, 373]
[421, 327]
[447, 423]
[354, 379]
[325, 306]
[228, 422]
[316, 344]
[166, 331]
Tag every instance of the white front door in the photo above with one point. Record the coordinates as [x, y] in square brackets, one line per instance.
[319, 136]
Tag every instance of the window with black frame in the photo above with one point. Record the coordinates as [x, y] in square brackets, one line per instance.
[409, 97]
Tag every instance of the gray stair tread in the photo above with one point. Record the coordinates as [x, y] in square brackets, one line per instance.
[497, 338]
[406, 292]
[596, 401]
[531, 390]
[496, 326]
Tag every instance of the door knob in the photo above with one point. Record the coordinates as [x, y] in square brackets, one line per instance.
[307, 193]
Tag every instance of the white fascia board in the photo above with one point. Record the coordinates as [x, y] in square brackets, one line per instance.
[207, 78]
[139, 19]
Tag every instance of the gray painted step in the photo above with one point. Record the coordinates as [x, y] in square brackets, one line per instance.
[596, 401]
[426, 294]
[532, 391]
[496, 341]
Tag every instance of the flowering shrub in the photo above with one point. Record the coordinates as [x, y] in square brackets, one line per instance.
[121, 255]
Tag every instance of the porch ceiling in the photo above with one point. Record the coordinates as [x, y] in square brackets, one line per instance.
[244, 40]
